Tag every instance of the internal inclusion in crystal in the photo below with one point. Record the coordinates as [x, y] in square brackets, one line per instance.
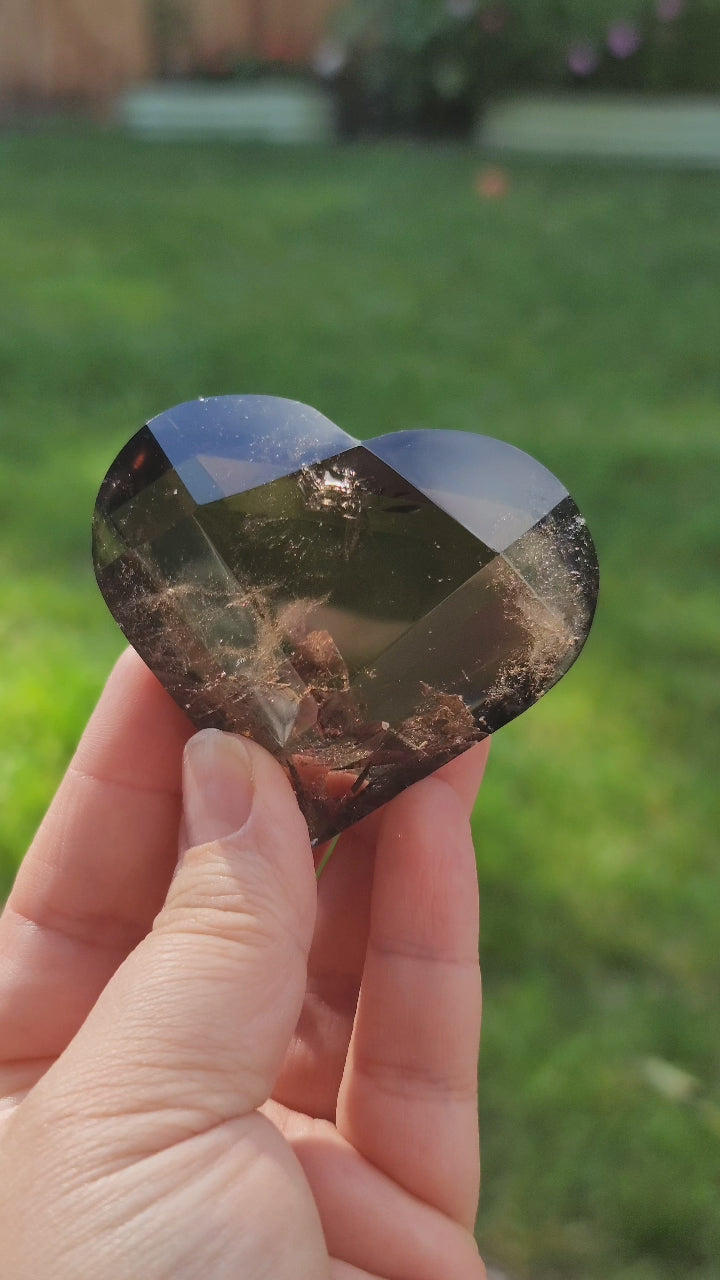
[336, 614]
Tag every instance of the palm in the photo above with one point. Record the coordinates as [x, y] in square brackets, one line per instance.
[377, 1093]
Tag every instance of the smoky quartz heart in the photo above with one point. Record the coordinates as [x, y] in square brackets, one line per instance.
[365, 611]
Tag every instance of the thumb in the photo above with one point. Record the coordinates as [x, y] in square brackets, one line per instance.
[199, 1018]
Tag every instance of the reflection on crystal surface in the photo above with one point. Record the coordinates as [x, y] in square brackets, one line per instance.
[223, 445]
[325, 598]
[495, 490]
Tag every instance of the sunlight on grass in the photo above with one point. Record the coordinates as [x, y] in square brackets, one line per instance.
[577, 317]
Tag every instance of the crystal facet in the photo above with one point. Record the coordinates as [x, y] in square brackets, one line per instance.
[365, 611]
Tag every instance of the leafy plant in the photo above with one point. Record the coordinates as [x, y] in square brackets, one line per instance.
[418, 61]
[413, 63]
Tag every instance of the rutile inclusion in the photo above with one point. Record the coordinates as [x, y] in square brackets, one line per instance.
[365, 611]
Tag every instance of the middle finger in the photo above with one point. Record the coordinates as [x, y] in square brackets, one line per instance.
[316, 1059]
[314, 1065]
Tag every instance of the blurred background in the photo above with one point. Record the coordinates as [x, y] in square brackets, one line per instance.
[487, 216]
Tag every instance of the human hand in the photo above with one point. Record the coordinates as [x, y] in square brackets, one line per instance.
[189, 1086]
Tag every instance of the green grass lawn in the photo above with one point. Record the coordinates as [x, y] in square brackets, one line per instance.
[577, 317]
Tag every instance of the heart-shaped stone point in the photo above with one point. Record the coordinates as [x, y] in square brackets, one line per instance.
[365, 611]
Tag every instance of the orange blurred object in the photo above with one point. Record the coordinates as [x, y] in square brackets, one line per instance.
[492, 184]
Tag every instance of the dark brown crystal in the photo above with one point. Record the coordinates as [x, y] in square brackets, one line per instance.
[365, 612]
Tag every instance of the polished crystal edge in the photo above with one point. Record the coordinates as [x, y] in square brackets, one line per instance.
[366, 612]
[267, 436]
[495, 490]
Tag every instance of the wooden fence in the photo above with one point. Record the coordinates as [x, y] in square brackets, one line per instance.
[93, 49]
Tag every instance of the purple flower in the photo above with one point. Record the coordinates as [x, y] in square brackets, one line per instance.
[583, 58]
[669, 10]
[623, 39]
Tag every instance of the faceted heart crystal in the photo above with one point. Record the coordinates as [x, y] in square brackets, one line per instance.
[366, 611]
